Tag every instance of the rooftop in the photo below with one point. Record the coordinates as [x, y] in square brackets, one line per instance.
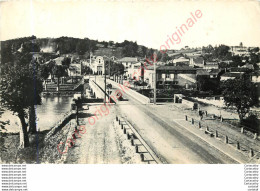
[202, 72]
[128, 59]
[230, 74]
[160, 68]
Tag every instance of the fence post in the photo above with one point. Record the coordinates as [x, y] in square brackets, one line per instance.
[207, 128]
[242, 130]
[221, 118]
[122, 126]
[116, 118]
[255, 136]
[136, 148]
[238, 146]
[216, 133]
[226, 139]
[206, 113]
[251, 153]
[128, 136]
[199, 125]
[142, 157]
[186, 117]
[192, 121]
[119, 121]
[124, 130]
[132, 142]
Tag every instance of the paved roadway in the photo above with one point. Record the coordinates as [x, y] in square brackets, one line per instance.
[171, 142]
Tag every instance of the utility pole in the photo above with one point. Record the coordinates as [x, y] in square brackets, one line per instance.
[109, 68]
[89, 67]
[154, 65]
[142, 73]
[105, 83]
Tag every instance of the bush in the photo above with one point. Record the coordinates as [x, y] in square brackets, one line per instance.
[252, 122]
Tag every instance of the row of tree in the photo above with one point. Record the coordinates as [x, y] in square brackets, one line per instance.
[21, 84]
[20, 89]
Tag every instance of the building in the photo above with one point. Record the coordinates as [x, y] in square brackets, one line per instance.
[134, 72]
[208, 73]
[127, 63]
[98, 65]
[170, 76]
[197, 62]
[255, 77]
[211, 65]
[239, 50]
[230, 75]
[181, 60]
[74, 69]
[249, 66]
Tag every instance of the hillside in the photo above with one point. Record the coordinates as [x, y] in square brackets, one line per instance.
[70, 45]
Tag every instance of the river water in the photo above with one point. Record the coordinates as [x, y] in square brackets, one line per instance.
[50, 112]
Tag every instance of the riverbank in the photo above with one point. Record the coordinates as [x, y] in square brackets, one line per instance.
[42, 149]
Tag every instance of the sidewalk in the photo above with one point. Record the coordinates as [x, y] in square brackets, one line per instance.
[176, 114]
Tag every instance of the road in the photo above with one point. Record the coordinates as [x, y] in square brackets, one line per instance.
[170, 141]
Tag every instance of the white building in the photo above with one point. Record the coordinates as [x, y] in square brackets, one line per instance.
[127, 63]
[182, 60]
[134, 72]
[98, 65]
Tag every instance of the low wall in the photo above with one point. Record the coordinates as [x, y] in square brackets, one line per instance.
[212, 101]
[98, 92]
[61, 123]
[143, 99]
[190, 103]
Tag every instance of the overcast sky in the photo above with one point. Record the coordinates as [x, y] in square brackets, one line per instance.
[148, 23]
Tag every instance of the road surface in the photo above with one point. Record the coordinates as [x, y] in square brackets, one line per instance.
[170, 141]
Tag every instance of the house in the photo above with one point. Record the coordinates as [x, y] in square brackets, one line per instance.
[181, 60]
[230, 75]
[58, 61]
[255, 77]
[209, 73]
[169, 76]
[249, 66]
[211, 65]
[74, 69]
[134, 72]
[98, 65]
[197, 61]
[239, 50]
[127, 63]
[239, 70]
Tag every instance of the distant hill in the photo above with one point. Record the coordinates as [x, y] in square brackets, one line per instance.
[70, 45]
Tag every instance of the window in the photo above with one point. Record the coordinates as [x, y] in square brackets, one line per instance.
[167, 75]
[163, 75]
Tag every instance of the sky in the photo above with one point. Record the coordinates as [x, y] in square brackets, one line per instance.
[147, 22]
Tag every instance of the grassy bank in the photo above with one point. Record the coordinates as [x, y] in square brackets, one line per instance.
[39, 151]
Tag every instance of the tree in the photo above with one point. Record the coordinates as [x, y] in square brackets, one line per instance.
[237, 61]
[20, 89]
[81, 47]
[66, 62]
[86, 70]
[254, 58]
[45, 72]
[222, 52]
[59, 71]
[78, 104]
[240, 93]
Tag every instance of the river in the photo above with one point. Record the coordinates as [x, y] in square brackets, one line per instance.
[51, 111]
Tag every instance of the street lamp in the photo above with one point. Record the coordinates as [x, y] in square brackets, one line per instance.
[154, 94]
[105, 81]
